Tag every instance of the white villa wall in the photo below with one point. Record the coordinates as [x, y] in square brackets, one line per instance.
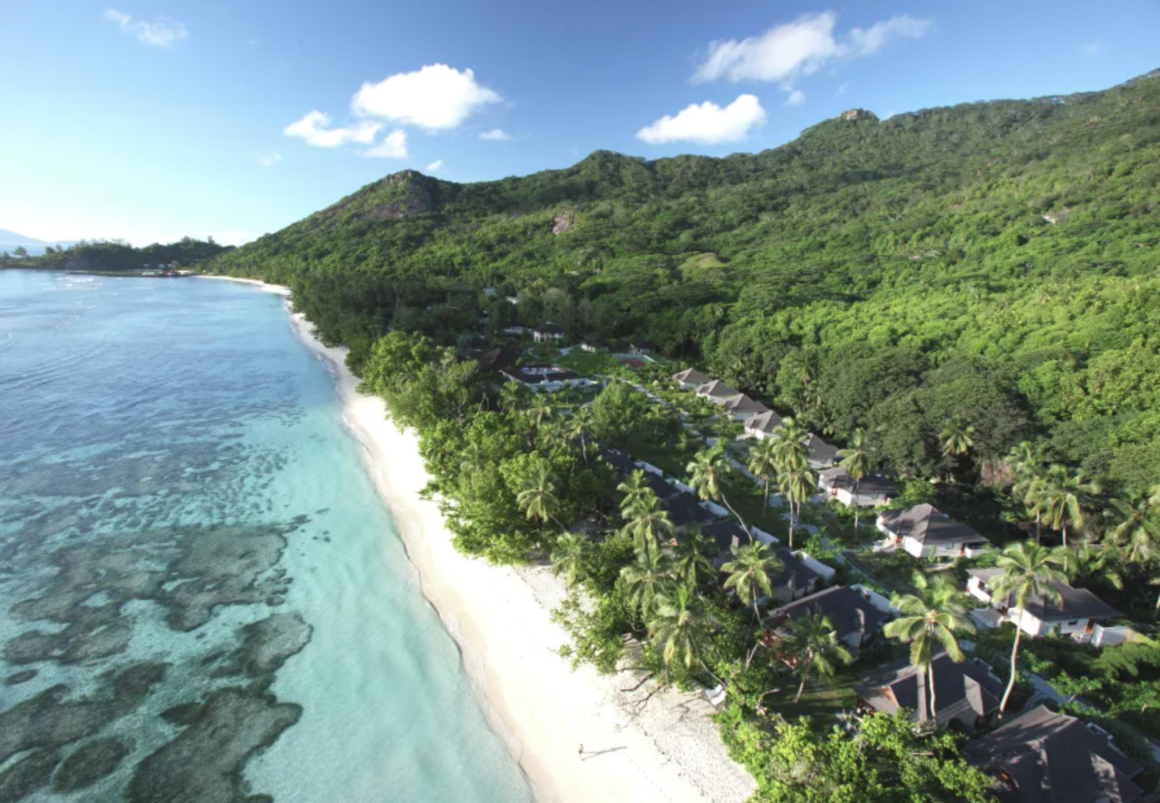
[874, 598]
[815, 565]
[715, 509]
[650, 468]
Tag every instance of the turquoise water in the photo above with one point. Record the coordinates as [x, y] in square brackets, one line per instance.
[202, 598]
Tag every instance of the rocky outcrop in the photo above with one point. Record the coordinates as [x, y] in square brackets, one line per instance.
[564, 221]
[858, 114]
[414, 197]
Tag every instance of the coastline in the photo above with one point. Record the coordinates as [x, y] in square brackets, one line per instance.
[500, 617]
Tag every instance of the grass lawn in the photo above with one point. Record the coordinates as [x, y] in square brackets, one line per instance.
[586, 364]
[820, 701]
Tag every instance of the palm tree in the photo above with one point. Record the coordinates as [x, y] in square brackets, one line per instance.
[930, 617]
[681, 626]
[791, 449]
[1028, 571]
[956, 436]
[796, 483]
[645, 580]
[708, 471]
[537, 495]
[512, 396]
[812, 647]
[649, 523]
[856, 460]
[749, 573]
[579, 427]
[763, 465]
[1088, 563]
[570, 557]
[691, 557]
[1029, 481]
[1139, 527]
[633, 488]
[1062, 496]
[538, 410]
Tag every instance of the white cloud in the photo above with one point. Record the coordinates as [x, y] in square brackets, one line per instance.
[435, 166]
[268, 159]
[843, 88]
[495, 134]
[707, 123]
[796, 98]
[435, 97]
[787, 52]
[162, 33]
[393, 146]
[315, 129]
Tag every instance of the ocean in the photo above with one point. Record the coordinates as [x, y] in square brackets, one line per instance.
[202, 596]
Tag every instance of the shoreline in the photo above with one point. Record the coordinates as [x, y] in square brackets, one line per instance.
[500, 618]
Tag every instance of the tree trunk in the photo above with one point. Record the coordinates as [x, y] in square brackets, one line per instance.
[805, 676]
[1014, 667]
[933, 715]
[765, 503]
[1038, 527]
[744, 526]
[857, 482]
[1065, 532]
[791, 517]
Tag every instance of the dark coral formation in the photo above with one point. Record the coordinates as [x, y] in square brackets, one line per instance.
[90, 763]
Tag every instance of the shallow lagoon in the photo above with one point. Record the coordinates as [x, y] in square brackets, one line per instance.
[201, 594]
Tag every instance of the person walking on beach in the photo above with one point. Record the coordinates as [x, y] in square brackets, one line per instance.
[581, 751]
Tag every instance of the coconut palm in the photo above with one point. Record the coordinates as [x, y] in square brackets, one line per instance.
[811, 647]
[1029, 477]
[570, 558]
[537, 495]
[797, 483]
[929, 618]
[1028, 571]
[633, 488]
[1061, 496]
[707, 473]
[691, 557]
[1090, 563]
[538, 410]
[956, 436]
[645, 580]
[855, 458]
[512, 396]
[790, 450]
[579, 427]
[648, 523]
[1139, 527]
[680, 626]
[749, 573]
[763, 465]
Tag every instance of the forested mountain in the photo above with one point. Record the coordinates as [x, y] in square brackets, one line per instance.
[994, 260]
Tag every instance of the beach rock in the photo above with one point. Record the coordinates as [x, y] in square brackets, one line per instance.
[27, 775]
[204, 763]
[22, 676]
[88, 764]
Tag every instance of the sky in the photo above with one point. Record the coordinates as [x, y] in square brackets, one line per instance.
[147, 121]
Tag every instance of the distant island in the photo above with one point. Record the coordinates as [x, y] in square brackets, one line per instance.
[115, 257]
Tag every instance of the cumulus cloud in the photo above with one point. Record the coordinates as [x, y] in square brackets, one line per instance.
[434, 166]
[316, 130]
[707, 123]
[393, 146]
[796, 98]
[495, 134]
[161, 33]
[787, 52]
[436, 97]
[269, 159]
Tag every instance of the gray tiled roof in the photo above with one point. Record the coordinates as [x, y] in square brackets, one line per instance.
[1075, 603]
[716, 390]
[959, 687]
[848, 610]
[765, 422]
[839, 478]
[691, 376]
[925, 524]
[743, 404]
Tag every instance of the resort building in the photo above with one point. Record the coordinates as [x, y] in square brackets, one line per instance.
[856, 619]
[964, 692]
[924, 532]
[1079, 613]
[548, 333]
[500, 358]
[742, 408]
[691, 378]
[762, 425]
[1044, 757]
[591, 344]
[717, 391]
[873, 490]
[684, 511]
[820, 454]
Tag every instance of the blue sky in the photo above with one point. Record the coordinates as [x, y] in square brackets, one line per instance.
[150, 120]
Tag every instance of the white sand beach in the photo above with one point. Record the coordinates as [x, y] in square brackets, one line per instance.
[500, 617]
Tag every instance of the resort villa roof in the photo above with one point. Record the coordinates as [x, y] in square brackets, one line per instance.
[839, 479]
[1044, 757]
[716, 391]
[792, 571]
[621, 463]
[960, 688]
[848, 611]
[764, 423]
[549, 329]
[499, 358]
[691, 376]
[725, 534]
[743, 404]
[926, 525]
[820, 452]
[662, 489]
[1075, 603]
[684, 510]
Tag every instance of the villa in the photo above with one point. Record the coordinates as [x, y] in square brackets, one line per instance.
[762, 425]
[856, 620]
[1078, 613]
[742, 408]
[691, 378]
[820, 454]
[924, 532]
[685, 511]
[964, 692]
[1044, 757]
[717, 391]
[548, 333]
[873, 490]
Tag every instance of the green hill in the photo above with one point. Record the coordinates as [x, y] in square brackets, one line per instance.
[995, 260]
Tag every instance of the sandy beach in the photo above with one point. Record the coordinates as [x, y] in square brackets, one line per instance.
[500, 617]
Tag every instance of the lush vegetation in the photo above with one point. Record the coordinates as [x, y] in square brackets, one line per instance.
[112, 256]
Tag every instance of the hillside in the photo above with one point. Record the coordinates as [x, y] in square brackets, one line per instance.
[994, 260]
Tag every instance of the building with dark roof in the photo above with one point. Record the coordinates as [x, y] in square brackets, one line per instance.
[853, 616]
[717, 391]
[685, 511]
[499, 358]
[742, 408]
[1044, 757]
[820, 453]
[966, 691]
[1075, 615]
[548, 333]
[691, 378]
[924, 532]
[762, 425]
[873, 490]
[621, 463]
